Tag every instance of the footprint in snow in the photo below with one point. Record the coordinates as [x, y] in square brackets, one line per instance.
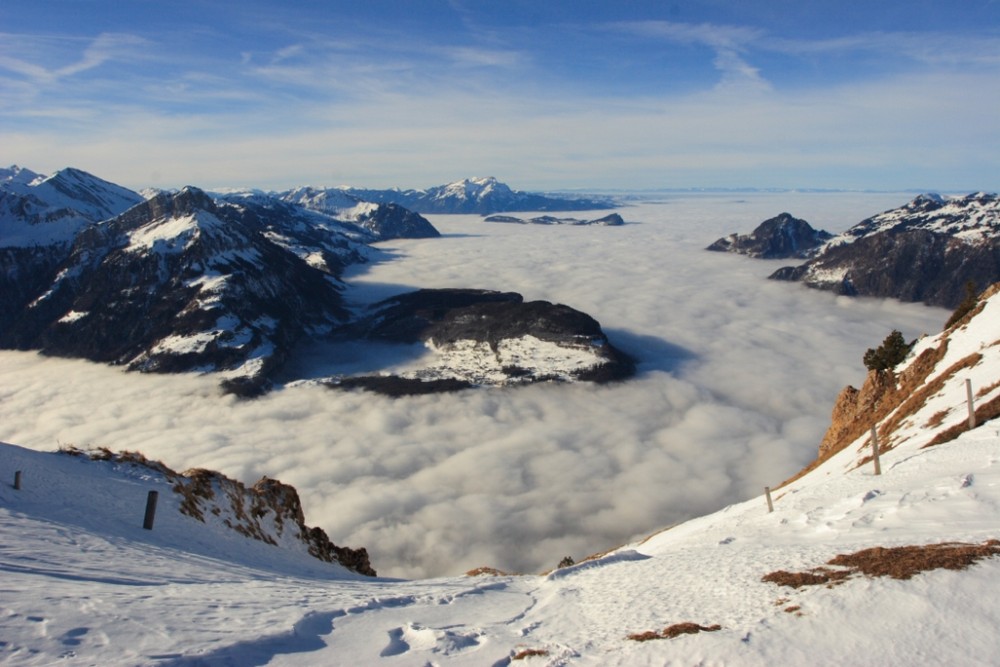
[72, 637]
[396, 644]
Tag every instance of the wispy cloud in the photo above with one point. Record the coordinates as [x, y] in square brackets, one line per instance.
[728, 42]
[105, 47]
[935, 48]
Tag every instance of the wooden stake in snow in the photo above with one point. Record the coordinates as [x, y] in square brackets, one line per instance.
[17, 480]
[878, 466]
[972, 407]
[147, 522]
[770, 505]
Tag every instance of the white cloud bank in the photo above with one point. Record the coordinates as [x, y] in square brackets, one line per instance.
[737, 379]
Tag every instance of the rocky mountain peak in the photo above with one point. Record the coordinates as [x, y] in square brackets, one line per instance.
[18, 175]
[779, 237]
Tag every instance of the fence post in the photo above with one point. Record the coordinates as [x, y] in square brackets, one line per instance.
[147, 522]
[972, 407]
[17, 480]
[770, 505]
[878, 466]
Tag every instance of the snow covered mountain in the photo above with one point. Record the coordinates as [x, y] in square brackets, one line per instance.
[40, 211]
[924, 251]
[383, 221]
[849, 568]
[180, 283]
[187, 282]
[477, 195]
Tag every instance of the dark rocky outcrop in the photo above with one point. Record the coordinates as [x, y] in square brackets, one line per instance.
[611, 220]
[926, 251]
[473, 330]
[780, 237]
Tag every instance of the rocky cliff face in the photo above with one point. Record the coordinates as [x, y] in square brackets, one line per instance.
[925, 251]
[780, 237]
[924, 398]
[269, 511]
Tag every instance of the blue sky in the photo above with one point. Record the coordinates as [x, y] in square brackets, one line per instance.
[542, 95]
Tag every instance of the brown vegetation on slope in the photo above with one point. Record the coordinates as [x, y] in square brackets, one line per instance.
[895, 562]
[672, 631]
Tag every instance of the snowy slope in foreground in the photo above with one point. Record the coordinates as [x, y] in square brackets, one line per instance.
[83, 584]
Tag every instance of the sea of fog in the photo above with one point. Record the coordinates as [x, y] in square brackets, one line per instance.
[737, 377]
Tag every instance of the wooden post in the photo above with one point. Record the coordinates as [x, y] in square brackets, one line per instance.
[972, 407]
[17, 480]
[147, 522]
[770, 505]
[878, 466]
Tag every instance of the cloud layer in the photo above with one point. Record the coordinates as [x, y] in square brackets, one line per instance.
[737, 378]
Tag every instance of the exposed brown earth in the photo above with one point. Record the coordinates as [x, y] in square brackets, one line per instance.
[896, 562]
[672, 631]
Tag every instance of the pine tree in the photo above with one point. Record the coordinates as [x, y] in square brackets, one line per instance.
[892, 352]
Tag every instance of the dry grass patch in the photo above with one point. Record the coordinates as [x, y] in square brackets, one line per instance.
[983, 391]
[936, 419]
[529, 653]
[984, 413]
[487, 572]
[675, 630]
[895, 562]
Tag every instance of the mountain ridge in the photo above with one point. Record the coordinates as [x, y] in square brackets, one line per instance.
[925, 251]
[185, 281]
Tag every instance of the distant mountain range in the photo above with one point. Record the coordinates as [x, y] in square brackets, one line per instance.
[186, 281]
[928, 250]
[478, 195]
[610, 220]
